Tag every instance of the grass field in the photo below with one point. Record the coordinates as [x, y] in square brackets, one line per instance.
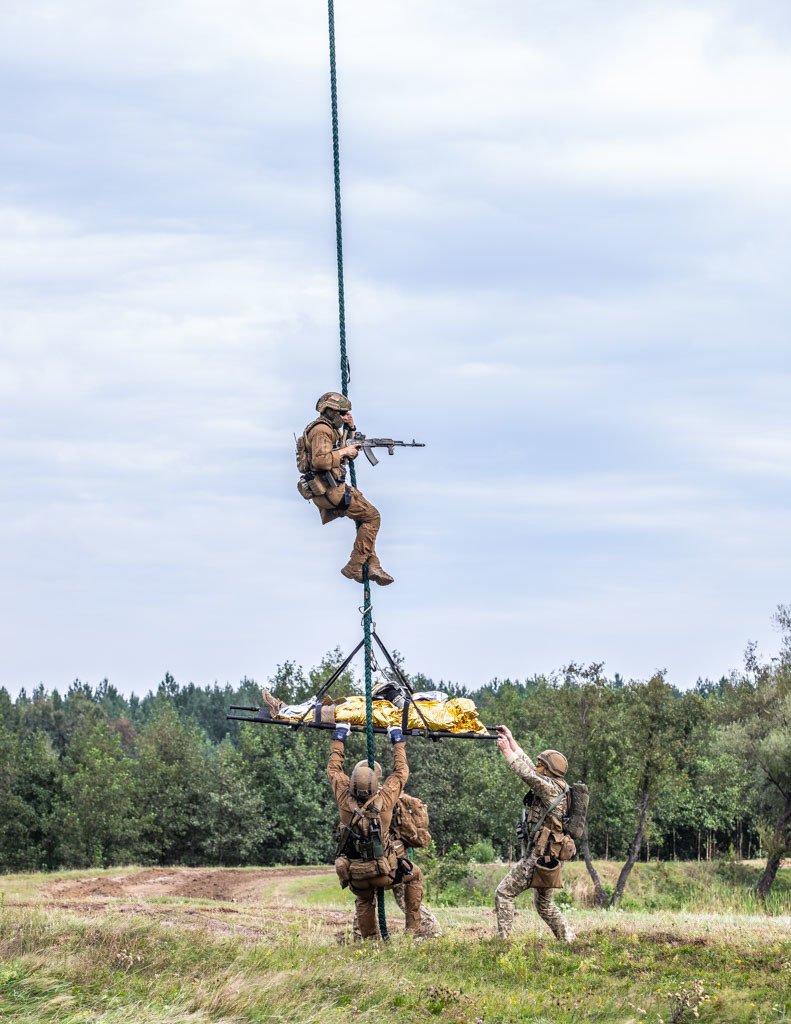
[138, 946]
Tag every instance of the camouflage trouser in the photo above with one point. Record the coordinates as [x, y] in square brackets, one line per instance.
[429, 927]
[367, 518]
[514, 883]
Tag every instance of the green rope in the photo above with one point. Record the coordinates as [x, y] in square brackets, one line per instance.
[336, 167]
[336, 164]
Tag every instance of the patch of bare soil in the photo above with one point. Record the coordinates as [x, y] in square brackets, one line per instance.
[225, 885]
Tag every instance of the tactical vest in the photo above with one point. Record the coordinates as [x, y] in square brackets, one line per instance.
[545, 825]
[303, 448]
[316, 485]
[365, 858]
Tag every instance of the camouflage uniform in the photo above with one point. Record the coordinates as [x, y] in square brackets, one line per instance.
[546, 789]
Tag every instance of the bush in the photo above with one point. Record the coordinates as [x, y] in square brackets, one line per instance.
[482, 852]
[450, 880]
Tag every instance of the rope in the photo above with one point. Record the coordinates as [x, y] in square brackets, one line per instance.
[345, 376]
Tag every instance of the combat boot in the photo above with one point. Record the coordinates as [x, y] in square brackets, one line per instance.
[352, 572]
[376, 572]
[378, 575]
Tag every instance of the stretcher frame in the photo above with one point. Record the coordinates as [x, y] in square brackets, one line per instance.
[263, 716]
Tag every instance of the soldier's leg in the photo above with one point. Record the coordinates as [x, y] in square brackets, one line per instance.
[365, 912]
[368, 519]
[514, 883]
[413, 896]
[429, 925]
[548, 911]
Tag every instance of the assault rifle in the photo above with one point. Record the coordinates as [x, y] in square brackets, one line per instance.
[367, 443]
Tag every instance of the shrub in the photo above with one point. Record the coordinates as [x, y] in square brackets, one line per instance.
[482, 852]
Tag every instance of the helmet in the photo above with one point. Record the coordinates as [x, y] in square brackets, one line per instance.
[365, 781]
[554, 762]
[387, 690]
[333, 405]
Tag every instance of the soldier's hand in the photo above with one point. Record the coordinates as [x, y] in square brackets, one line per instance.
[503, 744]
[351, 451]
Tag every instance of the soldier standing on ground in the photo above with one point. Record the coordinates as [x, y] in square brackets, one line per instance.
[369, 856]
[323, 453]
[546, 783]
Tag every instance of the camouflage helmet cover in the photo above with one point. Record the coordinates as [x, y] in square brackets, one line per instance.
[554, 762]
[333, 401]
[365, 782]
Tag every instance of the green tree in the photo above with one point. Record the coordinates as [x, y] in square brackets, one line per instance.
[760, 736]
[99, 818]
[173, 780]
[237, 827]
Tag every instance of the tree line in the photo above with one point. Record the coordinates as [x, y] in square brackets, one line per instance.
[94, 778]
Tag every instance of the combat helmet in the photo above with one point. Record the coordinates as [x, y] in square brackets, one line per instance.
[365, 782]
[554, 762]
[332, 405]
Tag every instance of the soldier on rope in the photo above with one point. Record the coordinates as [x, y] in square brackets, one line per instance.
[369, 856]
[323, 453]
[544, 840]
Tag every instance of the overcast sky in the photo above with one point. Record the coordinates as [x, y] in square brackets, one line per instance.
[567, 259]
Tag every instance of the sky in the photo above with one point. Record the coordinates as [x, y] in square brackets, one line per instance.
[566, 231]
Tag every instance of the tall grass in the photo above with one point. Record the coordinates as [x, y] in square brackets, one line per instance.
[101, 963]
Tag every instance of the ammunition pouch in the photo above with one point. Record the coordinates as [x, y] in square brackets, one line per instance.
[556, 845]
[314, 484]
[377, 873]
[547, 874]
[342, 870]
[304, 489]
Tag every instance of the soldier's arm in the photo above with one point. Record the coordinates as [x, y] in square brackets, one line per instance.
[339, 780]
[394, 783]
[520, 763]
[323, 458]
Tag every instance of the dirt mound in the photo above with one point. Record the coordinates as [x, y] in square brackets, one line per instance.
[84, 888]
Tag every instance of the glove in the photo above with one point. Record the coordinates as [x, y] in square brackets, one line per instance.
[395, 734]
[342, 730]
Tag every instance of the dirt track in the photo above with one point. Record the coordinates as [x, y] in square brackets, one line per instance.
[223, 884]
[246, 902]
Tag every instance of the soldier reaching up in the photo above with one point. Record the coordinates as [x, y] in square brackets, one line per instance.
[369, 855]
[544, 840]
[323, 453]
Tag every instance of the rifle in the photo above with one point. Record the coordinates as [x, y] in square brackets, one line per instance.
[367, 443]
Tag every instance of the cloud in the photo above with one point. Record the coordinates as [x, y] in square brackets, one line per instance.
[566, 233]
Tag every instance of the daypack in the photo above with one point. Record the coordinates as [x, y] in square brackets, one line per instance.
[410, 822]
[574, 825]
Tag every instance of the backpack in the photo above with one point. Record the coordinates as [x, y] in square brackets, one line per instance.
[574, 824]
[410, 822]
